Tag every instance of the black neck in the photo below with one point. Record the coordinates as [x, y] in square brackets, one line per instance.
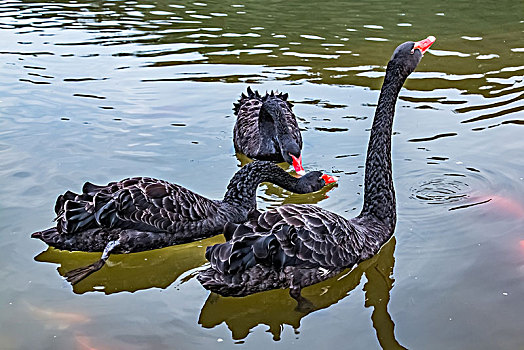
[242, 188]
[379, 193]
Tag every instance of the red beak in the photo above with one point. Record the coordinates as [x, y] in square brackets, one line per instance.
[297, 164]
[423, 45]
[328, 179]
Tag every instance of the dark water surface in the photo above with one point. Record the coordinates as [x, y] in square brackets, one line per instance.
[102, 90]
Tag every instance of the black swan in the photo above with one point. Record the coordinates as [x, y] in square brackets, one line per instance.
[294, 246]
[267, 129]
[142, 213]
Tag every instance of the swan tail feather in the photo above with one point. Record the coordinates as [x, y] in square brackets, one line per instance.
[91, 189]
[75, 212]
[49, 236]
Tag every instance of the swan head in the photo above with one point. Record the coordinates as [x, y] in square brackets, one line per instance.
[314, 181]
[408, 55]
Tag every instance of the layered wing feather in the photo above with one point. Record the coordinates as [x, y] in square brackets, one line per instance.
[246, 132]
[302, 236]
[141, 203]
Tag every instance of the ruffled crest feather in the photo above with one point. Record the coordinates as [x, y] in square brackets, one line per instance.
[255, 95]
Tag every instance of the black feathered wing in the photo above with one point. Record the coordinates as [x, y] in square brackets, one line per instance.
[141, 203]
[302, 236]
[246, 132]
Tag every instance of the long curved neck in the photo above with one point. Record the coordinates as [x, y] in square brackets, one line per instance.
[242, 188]
[379, 193]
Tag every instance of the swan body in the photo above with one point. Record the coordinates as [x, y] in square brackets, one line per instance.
[266, 128]
[294, 246]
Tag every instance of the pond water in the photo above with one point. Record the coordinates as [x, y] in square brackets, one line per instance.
[99, 91]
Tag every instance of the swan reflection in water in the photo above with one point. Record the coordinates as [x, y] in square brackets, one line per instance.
[132, 272]
[162, 267]
[275, 308]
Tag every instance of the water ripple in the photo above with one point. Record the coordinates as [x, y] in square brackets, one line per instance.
[431, 138]
[440, 190]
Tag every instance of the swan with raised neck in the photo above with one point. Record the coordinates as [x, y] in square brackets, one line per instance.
[294, 246]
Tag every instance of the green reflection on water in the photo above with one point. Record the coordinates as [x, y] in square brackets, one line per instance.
[276, 308]
[132, 272]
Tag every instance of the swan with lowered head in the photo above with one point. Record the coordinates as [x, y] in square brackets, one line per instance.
[142, 213]
[267, 129]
